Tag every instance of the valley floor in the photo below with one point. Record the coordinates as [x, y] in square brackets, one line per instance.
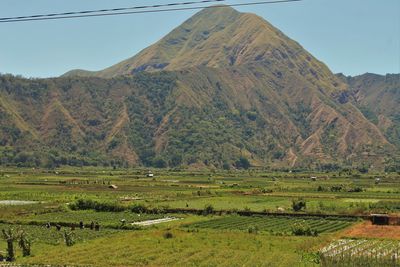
[211, 229]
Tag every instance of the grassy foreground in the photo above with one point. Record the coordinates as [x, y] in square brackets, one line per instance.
[218, 238]
[203, 248]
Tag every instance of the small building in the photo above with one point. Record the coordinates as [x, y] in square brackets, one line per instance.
[150, 174]
[385, 219]
[380, 219]
[313, 178]
[113, 186]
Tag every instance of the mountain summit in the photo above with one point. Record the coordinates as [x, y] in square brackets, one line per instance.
[215, 37]
[222, 87]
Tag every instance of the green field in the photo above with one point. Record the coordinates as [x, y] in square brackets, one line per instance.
[200, 236]
[278, 225]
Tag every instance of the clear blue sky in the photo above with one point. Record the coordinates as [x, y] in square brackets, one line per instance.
[350, 36]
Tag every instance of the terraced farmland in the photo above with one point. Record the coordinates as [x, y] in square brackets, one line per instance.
[275, 224]
[361, 252]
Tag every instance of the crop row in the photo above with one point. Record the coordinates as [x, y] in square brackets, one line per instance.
[361, 252]
[273, 224]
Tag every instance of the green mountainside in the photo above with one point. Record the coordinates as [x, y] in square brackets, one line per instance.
[223, 89]
[378, 98]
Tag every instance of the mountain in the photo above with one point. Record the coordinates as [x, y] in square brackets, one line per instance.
[222, 88]
[217, 38]
[378, 98]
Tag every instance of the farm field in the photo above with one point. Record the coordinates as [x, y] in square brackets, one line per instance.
[211, 229]
[275, 225]
[361, 252]
[223, 140]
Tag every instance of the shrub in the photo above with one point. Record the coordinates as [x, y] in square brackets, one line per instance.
[247, 209]
[363, 169]
[302, 229]
[336, 188]
[168, 235]
[69, 238]
[226, 166]
[355, 189]
[139, 208]
[265, 191]
[208, 209]
[252, 229]
[298, 205]
[89, 204]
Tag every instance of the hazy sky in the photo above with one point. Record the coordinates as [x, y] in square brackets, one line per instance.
[350, 36]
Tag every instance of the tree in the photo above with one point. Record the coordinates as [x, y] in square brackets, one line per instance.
[159, 162]
[363, 169]
[208, 209]
[252, 115]
[226, 166]
[176, 160]
[9, 237]
[243, 163]
[24, 243]
[278, 155]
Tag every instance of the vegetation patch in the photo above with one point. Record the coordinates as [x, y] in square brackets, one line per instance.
[279, 225]
[361, 252]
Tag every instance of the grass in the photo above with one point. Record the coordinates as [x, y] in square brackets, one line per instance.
[206, 249]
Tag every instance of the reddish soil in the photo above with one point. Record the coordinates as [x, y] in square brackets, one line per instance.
[367, 230]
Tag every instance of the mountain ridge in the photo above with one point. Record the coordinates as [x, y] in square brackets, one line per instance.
[221, 87]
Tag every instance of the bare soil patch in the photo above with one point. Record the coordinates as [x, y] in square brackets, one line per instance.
[368, 230]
